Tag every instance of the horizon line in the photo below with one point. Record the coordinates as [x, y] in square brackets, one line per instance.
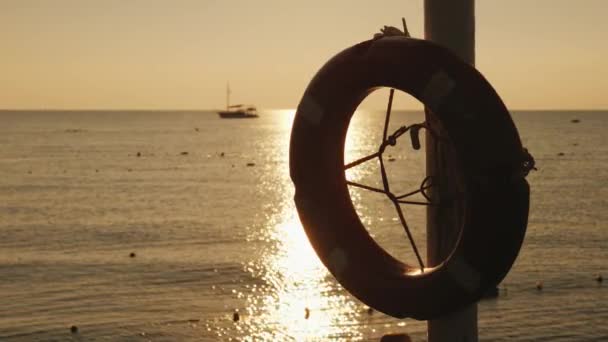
[263, 109]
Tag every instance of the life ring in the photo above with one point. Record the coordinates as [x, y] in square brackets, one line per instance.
[487, 145]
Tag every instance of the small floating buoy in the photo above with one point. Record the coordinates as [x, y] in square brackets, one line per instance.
[222, 154]
[539, 285]
[96, 170]
[599, 278]
[391, 159]
[74, 130]
[129, 170]
[184, 153]
[306, 313]
[74, 329]
[196, 129]
[250, 164]
[235, 316]
[29, 171]
[575, 144]
[575, 120]
[138, 154]
[132, 255]
[560, 154]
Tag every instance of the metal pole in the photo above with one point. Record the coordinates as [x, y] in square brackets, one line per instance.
[450, 23]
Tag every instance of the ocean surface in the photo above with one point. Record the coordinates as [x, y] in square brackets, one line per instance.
[205, 206]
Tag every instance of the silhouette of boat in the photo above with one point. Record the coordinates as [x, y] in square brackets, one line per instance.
[238, 111]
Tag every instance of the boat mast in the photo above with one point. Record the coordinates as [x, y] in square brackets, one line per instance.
[228, 96]
[451, 24]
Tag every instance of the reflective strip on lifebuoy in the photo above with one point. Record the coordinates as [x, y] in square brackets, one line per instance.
[489, 151]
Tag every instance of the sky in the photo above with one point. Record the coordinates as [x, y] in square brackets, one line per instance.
[179, 54]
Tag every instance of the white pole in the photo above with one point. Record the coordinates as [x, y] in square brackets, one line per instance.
[450, 23]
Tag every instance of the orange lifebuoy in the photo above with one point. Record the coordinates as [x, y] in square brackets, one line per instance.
[486, 144]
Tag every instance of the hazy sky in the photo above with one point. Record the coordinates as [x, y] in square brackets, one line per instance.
[538, 54]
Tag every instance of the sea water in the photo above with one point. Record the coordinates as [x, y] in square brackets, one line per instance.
[170, 225]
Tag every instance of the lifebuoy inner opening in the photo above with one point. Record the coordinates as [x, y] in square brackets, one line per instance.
[385, 169]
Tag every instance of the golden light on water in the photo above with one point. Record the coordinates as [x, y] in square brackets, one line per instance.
[291, 295]
[304, 304]
[357, 146]
[300, 300]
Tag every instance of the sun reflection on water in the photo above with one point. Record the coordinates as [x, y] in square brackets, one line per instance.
[291, 295]
[300, 300]
[304, 303]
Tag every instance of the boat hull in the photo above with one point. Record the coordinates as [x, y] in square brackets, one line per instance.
[237, 115]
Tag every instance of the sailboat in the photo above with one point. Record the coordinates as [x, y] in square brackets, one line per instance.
[237, 111]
